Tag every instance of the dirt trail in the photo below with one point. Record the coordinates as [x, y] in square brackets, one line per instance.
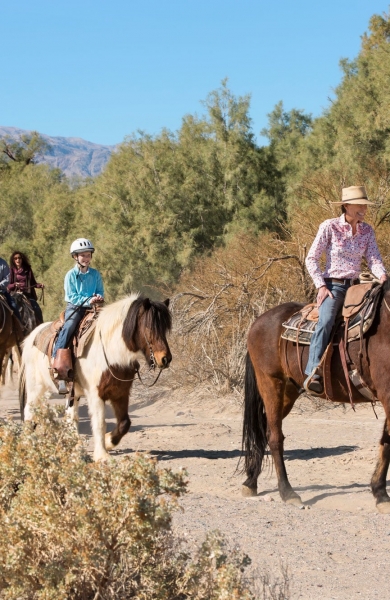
[337, 549]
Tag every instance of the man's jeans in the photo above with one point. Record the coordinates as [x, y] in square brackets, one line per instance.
[70, 325]
[328, 311]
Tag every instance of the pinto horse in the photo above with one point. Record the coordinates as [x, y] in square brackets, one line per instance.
[273, 382]
[125, 331]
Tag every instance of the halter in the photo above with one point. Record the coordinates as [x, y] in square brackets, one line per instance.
[152, 365]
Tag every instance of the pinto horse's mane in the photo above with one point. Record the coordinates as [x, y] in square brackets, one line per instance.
[124, 313]
[157, 318]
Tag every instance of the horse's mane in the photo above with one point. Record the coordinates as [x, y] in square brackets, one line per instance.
[123, 314]
[157, 318]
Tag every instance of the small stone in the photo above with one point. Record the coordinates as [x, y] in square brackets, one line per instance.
[268, 498]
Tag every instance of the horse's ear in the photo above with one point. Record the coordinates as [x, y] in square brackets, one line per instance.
[146, 304]
[166, 302]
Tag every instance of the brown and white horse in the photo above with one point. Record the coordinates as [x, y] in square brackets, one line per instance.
[126, 331]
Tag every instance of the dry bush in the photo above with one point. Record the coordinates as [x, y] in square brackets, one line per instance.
[72, 529]
[215, 304]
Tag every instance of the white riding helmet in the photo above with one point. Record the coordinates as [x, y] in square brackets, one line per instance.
[81, 245]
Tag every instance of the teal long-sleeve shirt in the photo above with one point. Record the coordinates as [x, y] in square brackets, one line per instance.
[80, 286]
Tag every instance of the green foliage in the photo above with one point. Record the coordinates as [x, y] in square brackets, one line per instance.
[72, 529]
[166, 199]
[23, 151]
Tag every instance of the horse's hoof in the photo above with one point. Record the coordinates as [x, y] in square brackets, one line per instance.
[384, 507]
[248, 492]
[108, 442]
[295, 501]
[102, 457]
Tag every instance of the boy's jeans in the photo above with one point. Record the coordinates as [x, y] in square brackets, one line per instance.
[328, 312]
[70, 325]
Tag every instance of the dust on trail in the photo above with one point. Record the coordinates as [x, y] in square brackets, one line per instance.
[336, 549]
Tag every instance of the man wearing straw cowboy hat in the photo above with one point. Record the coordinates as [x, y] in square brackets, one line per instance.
[344, 240]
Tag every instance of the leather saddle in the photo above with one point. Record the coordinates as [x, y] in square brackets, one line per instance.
[359, 310]
[46, 337]
[358, 313]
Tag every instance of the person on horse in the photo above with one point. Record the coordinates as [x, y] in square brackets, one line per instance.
[344, 240]
[4, 281]
[83, 288]
[22, 280]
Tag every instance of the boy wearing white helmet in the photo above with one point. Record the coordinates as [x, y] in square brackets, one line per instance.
[83, 287]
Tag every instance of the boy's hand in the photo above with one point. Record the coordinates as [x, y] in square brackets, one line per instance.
[97, 298]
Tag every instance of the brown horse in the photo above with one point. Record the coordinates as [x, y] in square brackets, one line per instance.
[273, 382]
[11, 334]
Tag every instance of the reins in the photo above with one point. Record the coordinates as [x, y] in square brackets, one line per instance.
[387, 306]
[153, 365]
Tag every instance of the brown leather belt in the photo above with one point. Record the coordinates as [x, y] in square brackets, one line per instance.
[342, 281]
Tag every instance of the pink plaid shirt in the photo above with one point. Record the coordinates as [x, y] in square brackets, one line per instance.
[344, 251]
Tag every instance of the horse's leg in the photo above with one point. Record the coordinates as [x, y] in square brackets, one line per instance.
[273, 391]
[378, 481]
[96, 408]
[32, 395]
[120, 406]
[34, 380]
[4, 365]
[291, 394]
[72, 411]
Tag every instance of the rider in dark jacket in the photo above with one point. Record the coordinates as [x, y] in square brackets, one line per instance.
[22, 280]
[4, 281]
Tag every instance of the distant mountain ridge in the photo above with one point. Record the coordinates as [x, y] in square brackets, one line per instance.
[74, 156]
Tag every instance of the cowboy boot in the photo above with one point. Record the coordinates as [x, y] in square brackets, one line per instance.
[63, 366]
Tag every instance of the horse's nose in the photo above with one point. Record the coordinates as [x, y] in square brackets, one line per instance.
[166, 360]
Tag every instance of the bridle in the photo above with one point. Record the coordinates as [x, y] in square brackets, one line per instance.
[152, 365]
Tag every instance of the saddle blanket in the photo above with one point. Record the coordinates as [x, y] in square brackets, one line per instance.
[359, 305]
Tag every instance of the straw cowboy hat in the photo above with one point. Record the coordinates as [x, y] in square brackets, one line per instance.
[355, 194]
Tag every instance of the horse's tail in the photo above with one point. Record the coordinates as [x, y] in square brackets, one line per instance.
[22, 390]
[254, 433]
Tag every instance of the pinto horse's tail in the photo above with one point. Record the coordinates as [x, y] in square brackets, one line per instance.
[22, 390]
[254, 433]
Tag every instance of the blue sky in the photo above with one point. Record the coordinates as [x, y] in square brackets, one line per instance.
[100, 69]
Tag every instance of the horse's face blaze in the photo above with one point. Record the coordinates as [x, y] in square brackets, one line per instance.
[160, 349]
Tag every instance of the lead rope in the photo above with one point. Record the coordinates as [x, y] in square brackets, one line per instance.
[153, 364]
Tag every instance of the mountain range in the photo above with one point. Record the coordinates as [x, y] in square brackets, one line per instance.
[74, 156]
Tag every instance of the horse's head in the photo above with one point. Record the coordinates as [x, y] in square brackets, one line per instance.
[145, 329]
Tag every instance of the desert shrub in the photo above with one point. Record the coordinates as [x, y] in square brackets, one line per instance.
[215, 303]
[73, 529]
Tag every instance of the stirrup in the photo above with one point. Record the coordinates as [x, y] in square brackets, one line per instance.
[310, 381]
[62, 388]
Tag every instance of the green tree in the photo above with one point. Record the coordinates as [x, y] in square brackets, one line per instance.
[24, 150]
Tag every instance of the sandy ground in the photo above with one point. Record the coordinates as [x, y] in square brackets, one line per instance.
[337, 548]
